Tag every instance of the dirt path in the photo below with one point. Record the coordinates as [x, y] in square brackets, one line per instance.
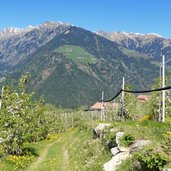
[65, 165]
[62, 154]
[42, 156]
[65, 159]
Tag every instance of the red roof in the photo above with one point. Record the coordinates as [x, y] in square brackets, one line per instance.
[97, 106]
[100, 105]
[143, 98]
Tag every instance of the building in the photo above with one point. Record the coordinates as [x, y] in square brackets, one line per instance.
[98, 106]
[143, 98]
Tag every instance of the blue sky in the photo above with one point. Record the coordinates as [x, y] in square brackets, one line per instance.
[142, 16]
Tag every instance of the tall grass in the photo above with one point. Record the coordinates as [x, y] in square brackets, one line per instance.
[151, 130]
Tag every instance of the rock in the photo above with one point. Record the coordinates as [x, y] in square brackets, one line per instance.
[166, 169]
[123, 149]
[114, 151]
[98, 131]
[118, 136]
[139, 144]
[112, 164]
[113, 130]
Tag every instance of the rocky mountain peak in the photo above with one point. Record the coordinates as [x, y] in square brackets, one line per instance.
[50, 24]
[25, 41]
[151, 44]
[12, 31]
[125, 35]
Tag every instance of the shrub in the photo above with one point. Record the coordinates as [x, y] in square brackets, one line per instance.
[167, 143]
[145, 160]
[151, 160]
[127, 140]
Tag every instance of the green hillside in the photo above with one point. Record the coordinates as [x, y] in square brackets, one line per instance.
[75, 67]
[77, 54]
[133, 53]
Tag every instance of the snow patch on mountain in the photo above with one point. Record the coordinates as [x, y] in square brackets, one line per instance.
[154, 34]
[13, 31]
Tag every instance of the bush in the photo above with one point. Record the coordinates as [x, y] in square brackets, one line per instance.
[151, 160]
[167, 143]
[145, 160]
[127, 140]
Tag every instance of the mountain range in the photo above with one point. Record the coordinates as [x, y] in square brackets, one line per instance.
[152, 45]
[70, 66]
